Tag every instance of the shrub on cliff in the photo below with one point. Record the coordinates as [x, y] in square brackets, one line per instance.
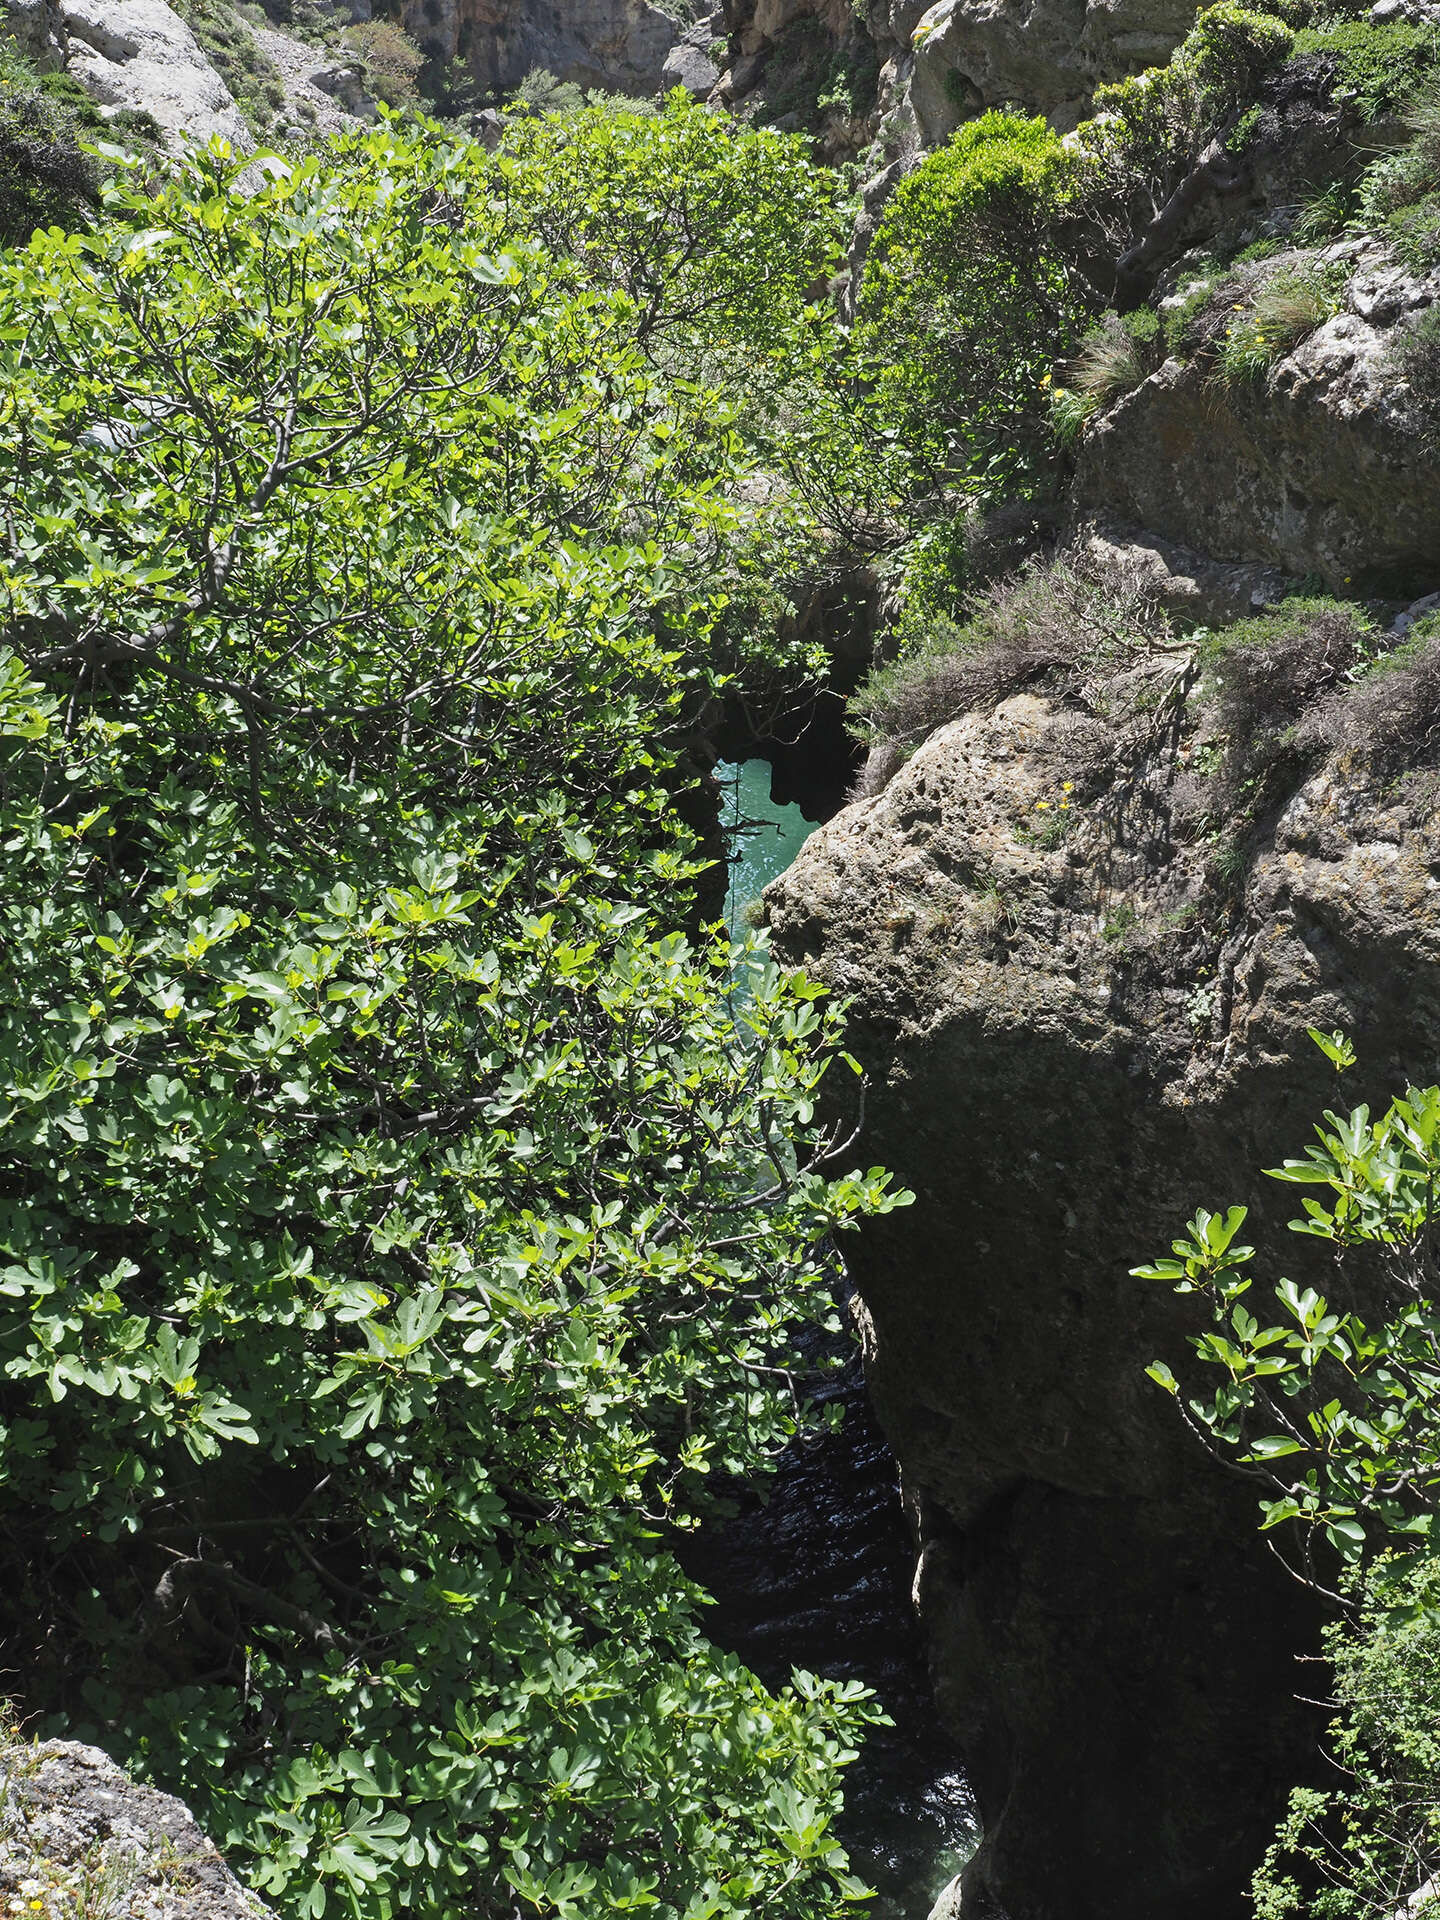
[46, 177]
[1377, 64]
[400, 1221]
[1336, 1417]
[1266, 676]
[968, 300]
[1157, 141]
[1053, 619]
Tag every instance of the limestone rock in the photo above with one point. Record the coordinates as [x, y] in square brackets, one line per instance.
[140, 54]
[1322, 467]
[690, 67]
[1075, 1033]
[947, 1907]
[1193, 589]
[71, 1816]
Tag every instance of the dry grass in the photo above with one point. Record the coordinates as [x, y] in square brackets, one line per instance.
[1268, 675]
[1285, 310]
[1392, 714]
[1046, 623]
[1110, 362]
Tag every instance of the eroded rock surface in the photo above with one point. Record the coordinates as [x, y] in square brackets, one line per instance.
[1051, 54]
[76, 1829]
[1082, 1018]
[136, 54]
[1320, 467]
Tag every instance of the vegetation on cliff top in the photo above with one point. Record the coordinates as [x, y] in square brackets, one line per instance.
[406, 1212]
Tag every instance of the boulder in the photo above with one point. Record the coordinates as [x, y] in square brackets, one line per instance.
[140, 54]
[72, 1823]
[1077, 1026]
[690, 67]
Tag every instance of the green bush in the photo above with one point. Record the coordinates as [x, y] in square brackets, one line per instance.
[968, 299]
[46, 179]
[1335, 1416]
[1377, 65]
[391, 59]
[401, 1221]
[1156, 122]
[1367, 1847]
[743, 209]
[1230, 49]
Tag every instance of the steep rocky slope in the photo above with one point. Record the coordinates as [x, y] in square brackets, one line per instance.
[136, 54]
[142, 57]
[1082, 975]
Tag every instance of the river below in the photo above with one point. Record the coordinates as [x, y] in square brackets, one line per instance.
[814, 1570]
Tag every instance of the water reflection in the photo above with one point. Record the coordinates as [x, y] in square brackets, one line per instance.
[764, 838]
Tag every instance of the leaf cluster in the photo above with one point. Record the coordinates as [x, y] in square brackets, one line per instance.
[1334, 1411]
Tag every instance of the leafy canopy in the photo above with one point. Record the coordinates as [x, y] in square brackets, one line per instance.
[968, 300]
[401, 1221]
[1353, 1447]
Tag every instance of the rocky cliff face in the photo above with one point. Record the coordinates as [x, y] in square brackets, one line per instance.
[1083, 1007]
[1052, 54]
[136, 54]
[927, 69]
[1321, 466]
[621, 45]
[140, 56]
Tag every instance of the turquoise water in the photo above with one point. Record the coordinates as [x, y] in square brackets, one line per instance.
[764, 838]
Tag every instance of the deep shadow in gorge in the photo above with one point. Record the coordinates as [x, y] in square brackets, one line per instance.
[1112, 1647]
[814, 1571]
[1113, 1644]
[815, 1568]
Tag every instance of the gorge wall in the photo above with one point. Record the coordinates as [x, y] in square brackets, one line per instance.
[1073, 1039]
